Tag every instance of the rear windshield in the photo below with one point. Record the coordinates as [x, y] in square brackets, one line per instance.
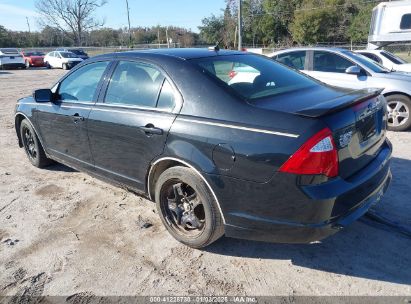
[33, 54]
[253, 77]
[68, 55]
[9, 51]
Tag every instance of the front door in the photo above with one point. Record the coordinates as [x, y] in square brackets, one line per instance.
[63, 123]
[130, 127]
[330, 68]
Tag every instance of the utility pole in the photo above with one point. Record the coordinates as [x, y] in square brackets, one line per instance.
[129, 26]
[240, 27]
[168, 41]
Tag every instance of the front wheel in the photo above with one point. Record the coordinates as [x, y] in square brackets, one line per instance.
[187, 208]
[48, 65]
[399, 107]
[32, 146]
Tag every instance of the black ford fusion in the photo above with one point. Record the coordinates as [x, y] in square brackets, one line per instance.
[224, 142]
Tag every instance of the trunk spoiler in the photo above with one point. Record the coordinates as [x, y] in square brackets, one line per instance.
[337, 104]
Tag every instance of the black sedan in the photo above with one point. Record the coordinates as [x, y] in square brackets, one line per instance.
[224, 142]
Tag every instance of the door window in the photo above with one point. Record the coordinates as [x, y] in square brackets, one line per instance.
[81, 85]
[330, 62]
[135, 84]
[295, 60]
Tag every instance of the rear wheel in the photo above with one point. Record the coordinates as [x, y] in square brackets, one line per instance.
[399, 107]
[65, 67]
[187, 208]
[32, 146]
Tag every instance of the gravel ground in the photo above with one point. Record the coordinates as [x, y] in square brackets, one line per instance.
[63, 232]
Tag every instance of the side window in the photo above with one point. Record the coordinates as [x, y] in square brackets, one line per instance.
[52, 54]
[134, 83]
[81, 85]
[372, 57]
[330, 62]
[295, 60]
[405, 22]
[166, 99]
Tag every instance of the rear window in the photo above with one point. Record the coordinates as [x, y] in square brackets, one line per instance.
[252, 76]
[9, 51]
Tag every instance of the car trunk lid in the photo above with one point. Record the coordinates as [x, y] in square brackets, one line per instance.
[356, 118]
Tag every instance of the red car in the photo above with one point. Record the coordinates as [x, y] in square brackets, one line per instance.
[33, 58]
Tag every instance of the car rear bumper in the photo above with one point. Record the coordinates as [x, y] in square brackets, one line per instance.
[287, 212]
[12, 65]
[294, 232]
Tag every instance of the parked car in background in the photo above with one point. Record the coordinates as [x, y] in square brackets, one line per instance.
[283, 158]
[33, 58]
[62, 60]
[343, 68]
[387, 59]
[79, 52]
[11, 58]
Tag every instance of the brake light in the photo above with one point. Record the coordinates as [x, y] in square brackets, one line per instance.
[316, 156]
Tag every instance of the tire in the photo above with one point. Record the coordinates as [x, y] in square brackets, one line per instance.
[64, 66]
[47, 65]
[200, 226]
[27, 64]
[32, 146]
[399, 109]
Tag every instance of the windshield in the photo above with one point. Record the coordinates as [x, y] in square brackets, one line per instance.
[9, 51]
[252, 76]
[78, 52]
[367, 62]
[393, 58]
[68, 55]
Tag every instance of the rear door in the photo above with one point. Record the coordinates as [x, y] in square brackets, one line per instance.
[63, 123]
[330, 68]
[128, 127]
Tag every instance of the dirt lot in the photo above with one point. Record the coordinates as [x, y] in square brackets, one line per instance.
[63, 232]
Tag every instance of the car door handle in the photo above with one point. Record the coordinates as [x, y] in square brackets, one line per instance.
[149, 129]
[76, 118]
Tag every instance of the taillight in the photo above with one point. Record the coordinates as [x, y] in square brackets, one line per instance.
[317, 156]
[232, 74]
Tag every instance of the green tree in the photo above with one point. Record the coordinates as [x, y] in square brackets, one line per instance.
[360, 24]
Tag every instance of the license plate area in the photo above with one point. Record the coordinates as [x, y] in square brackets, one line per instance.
[11, 57]
[367, 128]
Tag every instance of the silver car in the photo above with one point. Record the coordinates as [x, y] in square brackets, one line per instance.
[343, 68]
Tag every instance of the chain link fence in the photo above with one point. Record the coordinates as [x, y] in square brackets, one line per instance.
[401, 50]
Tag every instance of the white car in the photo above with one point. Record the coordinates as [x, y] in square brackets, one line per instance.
[11, 58]
[62, 60]
[387, 59]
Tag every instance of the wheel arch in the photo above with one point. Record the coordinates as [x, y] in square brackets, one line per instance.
[390, 93]
[164, 163]
[18, 118]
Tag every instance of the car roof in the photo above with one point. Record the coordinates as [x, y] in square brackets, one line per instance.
[318, 48]
[182, 53]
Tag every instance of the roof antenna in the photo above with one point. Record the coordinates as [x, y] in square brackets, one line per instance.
[216, 47]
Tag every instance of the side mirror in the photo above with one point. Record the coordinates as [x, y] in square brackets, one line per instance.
[354, 70]
[43, 95]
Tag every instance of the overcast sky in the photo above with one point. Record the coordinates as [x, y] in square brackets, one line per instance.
[184, 13]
